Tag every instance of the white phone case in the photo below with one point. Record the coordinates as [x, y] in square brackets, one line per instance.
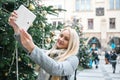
[25, 17]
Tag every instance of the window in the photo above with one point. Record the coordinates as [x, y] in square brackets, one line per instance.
[90, 23]
[77, 4]
[99, 11]
[114, 4]
[59, 23]
[59, 6]
[87, 4]
[112, 23]
[54, 23]
[117, 4]
[82, 5]
[111, 4]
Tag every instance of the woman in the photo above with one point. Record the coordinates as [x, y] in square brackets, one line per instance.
[58, 63]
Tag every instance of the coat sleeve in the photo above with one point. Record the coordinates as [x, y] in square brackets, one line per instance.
[52, 67]
[17, 37]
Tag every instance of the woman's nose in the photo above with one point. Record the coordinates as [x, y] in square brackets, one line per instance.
[61, 39]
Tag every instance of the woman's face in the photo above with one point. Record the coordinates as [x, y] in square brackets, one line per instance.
[63, 40]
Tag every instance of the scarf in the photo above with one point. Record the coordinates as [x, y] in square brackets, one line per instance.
[55, 54]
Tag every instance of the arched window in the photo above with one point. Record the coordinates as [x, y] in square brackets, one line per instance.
[94, 40]
[114, 43]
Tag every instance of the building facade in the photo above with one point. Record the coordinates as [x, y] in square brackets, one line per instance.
[100, 19]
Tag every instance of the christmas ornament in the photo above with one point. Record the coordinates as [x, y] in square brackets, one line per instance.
[31, 7]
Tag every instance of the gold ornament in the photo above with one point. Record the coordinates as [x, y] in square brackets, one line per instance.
[43, 25]
[6, 74]
[48, 40]
[53, 34]
[19, 59]
[30, 65]
[31, 6]
[44, 13]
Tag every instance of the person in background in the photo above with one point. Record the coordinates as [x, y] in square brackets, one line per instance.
[107, 57]
[58, 63]
[95, 58]
[113, 60]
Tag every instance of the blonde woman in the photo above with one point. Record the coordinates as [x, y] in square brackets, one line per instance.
[58, 63]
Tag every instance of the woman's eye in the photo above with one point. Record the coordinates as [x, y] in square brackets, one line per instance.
[61, 35]
[66, 39]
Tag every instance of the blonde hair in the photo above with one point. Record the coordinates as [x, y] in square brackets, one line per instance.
[73, 45]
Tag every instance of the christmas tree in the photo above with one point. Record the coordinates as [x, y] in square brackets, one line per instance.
[83, 53]
[14, 63]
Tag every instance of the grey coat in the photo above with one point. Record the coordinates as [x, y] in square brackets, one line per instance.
[51, 67]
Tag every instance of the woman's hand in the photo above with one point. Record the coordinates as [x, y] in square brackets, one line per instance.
[12, 20]
[26, 40]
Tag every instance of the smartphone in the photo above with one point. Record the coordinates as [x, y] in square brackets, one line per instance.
[25, 17]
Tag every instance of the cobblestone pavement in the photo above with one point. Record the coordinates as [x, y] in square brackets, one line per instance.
[104, 72]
